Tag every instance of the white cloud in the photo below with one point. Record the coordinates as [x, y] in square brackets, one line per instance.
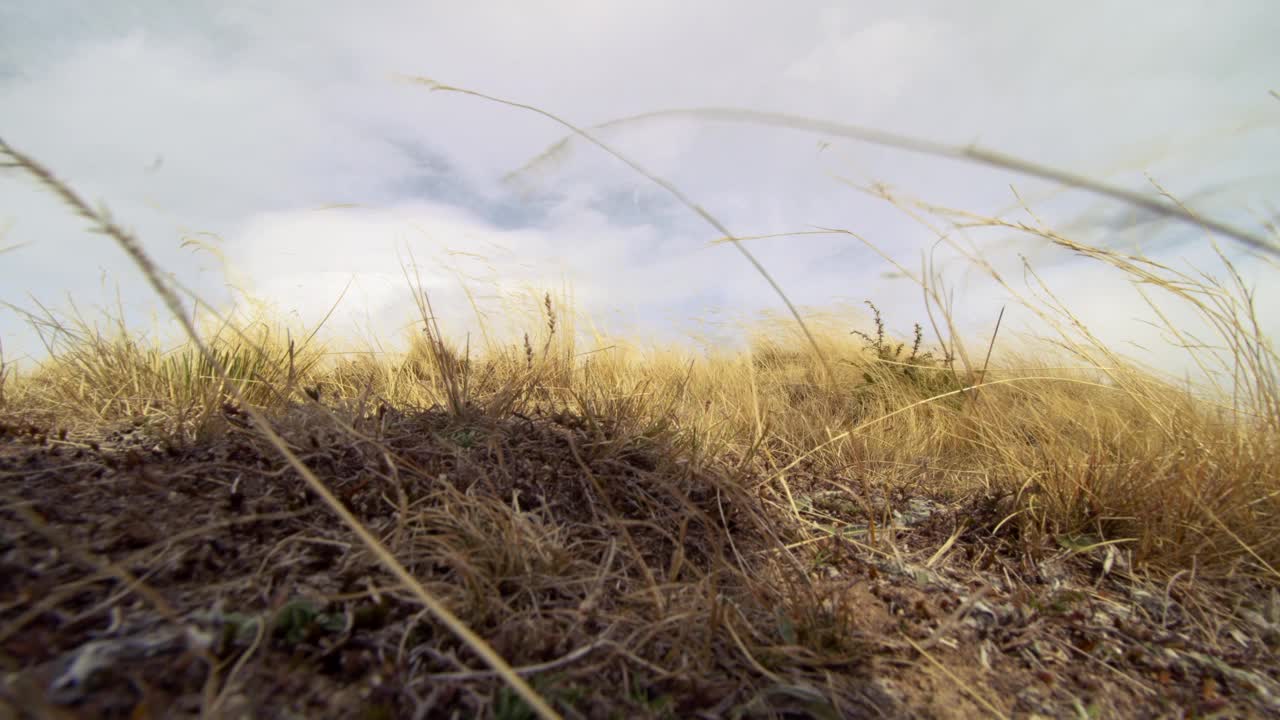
[872, 64]
[241, 119]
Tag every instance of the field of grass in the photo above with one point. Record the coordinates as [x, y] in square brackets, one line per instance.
[831, 523]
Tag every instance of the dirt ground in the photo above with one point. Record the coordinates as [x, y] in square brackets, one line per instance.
[141, 578]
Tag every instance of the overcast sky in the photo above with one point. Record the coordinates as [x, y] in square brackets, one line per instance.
[278, 134]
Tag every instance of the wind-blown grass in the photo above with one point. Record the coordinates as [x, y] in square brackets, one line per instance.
[707, 488]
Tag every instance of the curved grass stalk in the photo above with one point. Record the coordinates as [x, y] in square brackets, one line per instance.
[103, 224]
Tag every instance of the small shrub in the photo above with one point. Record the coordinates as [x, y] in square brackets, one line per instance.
[925, 373]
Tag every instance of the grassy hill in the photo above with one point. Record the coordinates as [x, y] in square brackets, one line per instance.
[831, 523]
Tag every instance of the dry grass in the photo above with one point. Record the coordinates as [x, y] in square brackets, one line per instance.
[653, 531]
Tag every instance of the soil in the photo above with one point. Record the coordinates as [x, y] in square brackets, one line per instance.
[148, 578]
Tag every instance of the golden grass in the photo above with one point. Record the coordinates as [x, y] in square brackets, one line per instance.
[1115, 454]
[103, 224]
[1105, 456]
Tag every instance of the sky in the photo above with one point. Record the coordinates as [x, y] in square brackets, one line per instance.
[275, 151]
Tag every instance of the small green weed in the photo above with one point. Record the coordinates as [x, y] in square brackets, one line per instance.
[301, 620]
[920, 370]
